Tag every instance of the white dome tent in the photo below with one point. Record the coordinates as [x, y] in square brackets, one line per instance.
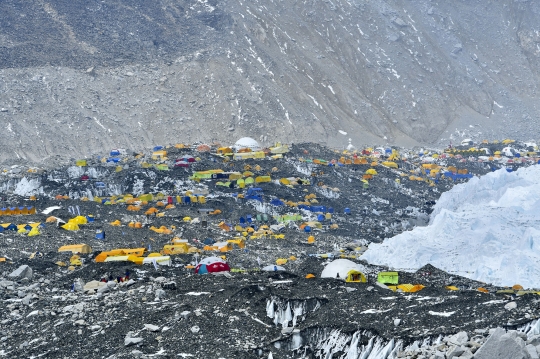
[344, 269]
[247, 142]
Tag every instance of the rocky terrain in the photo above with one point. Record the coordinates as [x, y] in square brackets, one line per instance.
[59, 306]
[79, 77]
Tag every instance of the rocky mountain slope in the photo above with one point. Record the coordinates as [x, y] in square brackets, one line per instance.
[77, 77]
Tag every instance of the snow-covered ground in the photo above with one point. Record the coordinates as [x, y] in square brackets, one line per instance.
[487, 229]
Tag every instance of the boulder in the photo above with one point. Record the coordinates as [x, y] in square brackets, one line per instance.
[458, 339]
[510, 306]
[502, 345]
[455, 352]
[531, 349]
[23, 271]
[151, 327]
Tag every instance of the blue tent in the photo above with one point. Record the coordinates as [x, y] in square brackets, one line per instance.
[113, 159]
[307, 229]
[321, 217]
[209, 241]
[203, 269]
[114, 153]
[1, 229]
[100, 234]
[347, 211]
[90, 218]
[277, 202]
[317, 208]
[157, 148]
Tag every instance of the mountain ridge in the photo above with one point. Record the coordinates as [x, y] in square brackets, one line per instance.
[76, 77]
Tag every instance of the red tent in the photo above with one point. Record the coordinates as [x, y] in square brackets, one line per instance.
[212, 265]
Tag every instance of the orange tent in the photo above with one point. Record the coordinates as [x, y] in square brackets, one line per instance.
[203, 148]
[151, 210]
[224, 226]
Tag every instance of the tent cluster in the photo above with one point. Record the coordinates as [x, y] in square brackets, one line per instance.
[74, 223]
[17, 211]
[247, 148]
[178, 246]
[135, 255]
[31, 229]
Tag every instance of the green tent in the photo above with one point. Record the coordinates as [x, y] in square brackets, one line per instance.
[388, 277]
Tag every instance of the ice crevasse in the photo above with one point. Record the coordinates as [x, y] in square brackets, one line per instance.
[487, 229]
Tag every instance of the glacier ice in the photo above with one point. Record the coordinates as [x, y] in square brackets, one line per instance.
[487, 229]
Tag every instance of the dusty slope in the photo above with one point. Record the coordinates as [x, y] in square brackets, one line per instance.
[77, 77]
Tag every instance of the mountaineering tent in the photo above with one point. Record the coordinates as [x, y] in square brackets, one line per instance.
[76, 248]
[247, 142]
[344, 269]
[212, 265]
[71, 226]
[388, 277]
[79, 220]
[161, 260]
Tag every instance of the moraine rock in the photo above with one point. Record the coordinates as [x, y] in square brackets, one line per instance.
[502, 345]
[23, 271]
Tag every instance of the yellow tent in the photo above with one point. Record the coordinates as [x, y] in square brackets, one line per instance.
[34, 232]
[79, 220]
[70, 226]
[262, 179]
[390, 164]
[410, 288]
[355, 276]
[158, 155]
[371, 171]
[116, 223]
[76, 248]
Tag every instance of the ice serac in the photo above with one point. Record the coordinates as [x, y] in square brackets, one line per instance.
[487, 229]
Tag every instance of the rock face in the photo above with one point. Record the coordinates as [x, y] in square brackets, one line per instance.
[402, 72]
